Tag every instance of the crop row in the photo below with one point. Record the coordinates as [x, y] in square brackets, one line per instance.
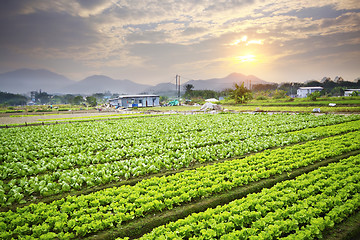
[60, 181]
[52, 183]
[302, 208]
[25, 153]
[75, 216]
[117, 135]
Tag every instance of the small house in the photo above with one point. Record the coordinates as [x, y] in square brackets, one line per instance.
[349, 92]
[303, 92]
[129, 101]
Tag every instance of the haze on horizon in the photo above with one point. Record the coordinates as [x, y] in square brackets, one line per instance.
[151, 41]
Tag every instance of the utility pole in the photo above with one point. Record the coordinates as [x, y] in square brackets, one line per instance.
[176, 86]
[179, 88]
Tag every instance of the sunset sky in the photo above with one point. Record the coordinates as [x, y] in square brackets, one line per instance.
[151, 41]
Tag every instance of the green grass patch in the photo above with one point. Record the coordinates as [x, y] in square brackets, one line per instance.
[172, 108]
[112, 116]
[245, 108]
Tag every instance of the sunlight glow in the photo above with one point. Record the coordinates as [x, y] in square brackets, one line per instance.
[244, 39]
[254, 42]
[236, 42]
[246, 58]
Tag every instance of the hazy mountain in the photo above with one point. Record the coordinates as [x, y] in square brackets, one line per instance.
[101, 83]
[163, 89]
[216, 84]
[26, 80]
[219, 84]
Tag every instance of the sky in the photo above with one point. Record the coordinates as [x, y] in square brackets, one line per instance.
[150, 42]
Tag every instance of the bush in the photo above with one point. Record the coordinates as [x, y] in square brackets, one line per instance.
[278, 94]
[43, 110]
[261, 97]
[240, 94]
[14, 111]
[313, 96]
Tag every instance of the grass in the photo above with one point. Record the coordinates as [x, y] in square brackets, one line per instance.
[43, 108]
[112, 116]
[343, 104]
[302, 101]
[245, 108]
[81, 119]
[171, 108]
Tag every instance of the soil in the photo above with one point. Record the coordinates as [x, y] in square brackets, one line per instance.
[10, 119]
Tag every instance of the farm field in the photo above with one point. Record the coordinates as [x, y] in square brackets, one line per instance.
[54, 118]
[322, 101]
[206, 176]
[289, 108]
[266, 108]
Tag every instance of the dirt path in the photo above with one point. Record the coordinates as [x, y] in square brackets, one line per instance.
[22, 119]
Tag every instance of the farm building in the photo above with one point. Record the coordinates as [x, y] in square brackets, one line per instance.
[305, 91]
[349, 92]
[135, 101]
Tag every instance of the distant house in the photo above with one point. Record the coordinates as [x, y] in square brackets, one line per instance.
[303, 92]
[129, 101]
[349, 92]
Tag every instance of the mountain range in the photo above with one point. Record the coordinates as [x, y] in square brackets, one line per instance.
[26, 80]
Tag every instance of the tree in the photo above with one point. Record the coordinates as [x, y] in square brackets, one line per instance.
[313, 96]
[279, 94]
[240, 94]
[91, 100]
[163, 99]
[42, 97]
[354, 94]
[188, 90]
[188, 87]
[77, 100]
[313, 83]
[12, 99]
[264, 87]
[337, 91]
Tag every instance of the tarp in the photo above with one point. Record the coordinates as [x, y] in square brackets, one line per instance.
[174, 103]
[211, 100]
[210, 106]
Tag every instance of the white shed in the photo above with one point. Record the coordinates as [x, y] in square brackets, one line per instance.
[135, 101]
[303, 92]
[348, 92]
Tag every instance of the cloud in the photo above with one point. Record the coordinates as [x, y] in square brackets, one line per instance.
[130, 34]
[193, 31]
[226, 5]
[46, 30]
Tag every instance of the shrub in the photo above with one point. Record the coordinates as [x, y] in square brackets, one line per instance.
[261, 97]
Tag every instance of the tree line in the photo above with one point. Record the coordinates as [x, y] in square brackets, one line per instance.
[41, 98]
[240, 94]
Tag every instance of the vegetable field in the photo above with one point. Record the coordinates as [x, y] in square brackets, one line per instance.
[206, 176]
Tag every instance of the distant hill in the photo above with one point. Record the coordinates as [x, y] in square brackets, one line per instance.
[101, 83]
[216, 84]
[219, 84]
[26, 80]
[162, 89]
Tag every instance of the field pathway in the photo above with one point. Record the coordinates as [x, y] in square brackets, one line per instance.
[39, 117]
